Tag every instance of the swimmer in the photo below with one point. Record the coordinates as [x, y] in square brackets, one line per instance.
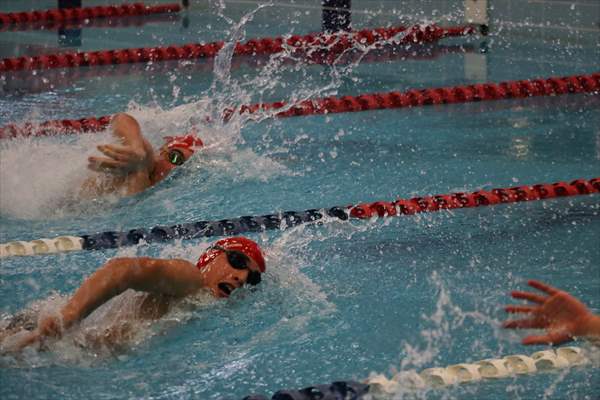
[132, 165]
[224, 267]
[562, 316]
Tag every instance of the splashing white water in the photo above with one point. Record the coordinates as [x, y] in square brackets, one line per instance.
[36, 183]
[38, 176]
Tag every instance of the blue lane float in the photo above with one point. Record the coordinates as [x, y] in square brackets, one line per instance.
[200, 229]
[341, 390]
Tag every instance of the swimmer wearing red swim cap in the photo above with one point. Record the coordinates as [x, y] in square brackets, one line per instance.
[225, 266]
[132, 165]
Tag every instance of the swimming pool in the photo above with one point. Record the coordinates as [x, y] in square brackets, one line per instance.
[341, 299]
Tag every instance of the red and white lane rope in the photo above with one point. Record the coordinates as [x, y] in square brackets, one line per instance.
[32, 19]
[553, 86]
[423, 97]
[130, 21]
[52, 79]
[335, 43]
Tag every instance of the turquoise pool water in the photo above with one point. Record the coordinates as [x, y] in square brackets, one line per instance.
[340, 300]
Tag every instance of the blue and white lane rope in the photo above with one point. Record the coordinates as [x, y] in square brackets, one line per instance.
[284, 220]
[378, 386]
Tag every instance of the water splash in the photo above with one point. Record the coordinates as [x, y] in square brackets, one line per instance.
[40, 177]
[53, 181]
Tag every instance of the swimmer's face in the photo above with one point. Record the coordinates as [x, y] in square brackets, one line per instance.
[222, 279]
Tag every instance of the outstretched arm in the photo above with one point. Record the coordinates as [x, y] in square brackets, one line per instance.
[175, 278]
[562, 316]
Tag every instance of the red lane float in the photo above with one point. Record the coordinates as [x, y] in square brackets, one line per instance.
[296, 44]
[55, 78]
[125, 22]
[376, 101]
[63, 126]
[64, 15]
[422, 97]
[475, 199]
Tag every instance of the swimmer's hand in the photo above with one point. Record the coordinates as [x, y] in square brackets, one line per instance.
[49, 327]
[562, 315]
[120, 159]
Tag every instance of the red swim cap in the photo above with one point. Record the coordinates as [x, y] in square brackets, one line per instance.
[244, 245]
[189, 141]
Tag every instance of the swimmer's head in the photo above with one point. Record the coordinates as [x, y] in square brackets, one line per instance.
[178, 149]
[175, 151]
[230, 263]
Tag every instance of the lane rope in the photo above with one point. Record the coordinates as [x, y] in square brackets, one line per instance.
[54, 78]
[31, 19]
[288, 219]
[334, 43]
[553, 86]
[128, 21]
[492, 368]
[380, 387]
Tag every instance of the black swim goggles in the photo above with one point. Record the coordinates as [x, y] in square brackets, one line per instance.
[175, 157]
[239, 260]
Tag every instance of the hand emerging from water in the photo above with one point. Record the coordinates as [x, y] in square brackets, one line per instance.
[559, 313]
[120, 159]
[48, 327]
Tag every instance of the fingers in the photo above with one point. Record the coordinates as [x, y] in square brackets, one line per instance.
[117, 148]
[556, 337]
[536, 298]
[101, 164]
[543, 287]
[105, 162]
[110, 152]
[519, 309]
[117, 152]
[528, 323]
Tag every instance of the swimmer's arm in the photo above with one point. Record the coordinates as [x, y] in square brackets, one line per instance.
[126, 128]
[132, 153]
[138, 182]
[175, 278]
[593, 329]
[133, 157]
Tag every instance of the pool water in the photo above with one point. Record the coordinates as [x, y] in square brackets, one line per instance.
[340, 299]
